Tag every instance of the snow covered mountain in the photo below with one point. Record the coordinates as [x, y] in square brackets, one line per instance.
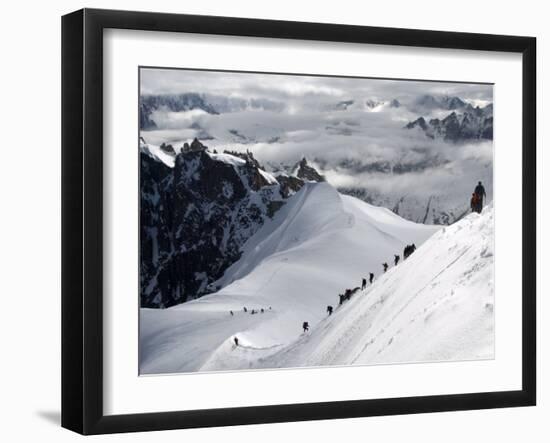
[471, 124]
[198, 208]
[435, 306]
[317, 245]
[428, 103]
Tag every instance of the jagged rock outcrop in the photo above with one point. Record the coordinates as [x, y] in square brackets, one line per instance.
[306, 172]
[246, 156]
[472, 124]
[427, 102]
[169, 149]
[289, 184]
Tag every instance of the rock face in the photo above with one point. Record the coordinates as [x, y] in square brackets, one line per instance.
[429, 102]
[167, 148]
[395, 103]
[472, 124]
[307, 172]
[196, 216]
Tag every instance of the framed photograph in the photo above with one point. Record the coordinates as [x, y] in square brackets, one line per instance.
[269, 221]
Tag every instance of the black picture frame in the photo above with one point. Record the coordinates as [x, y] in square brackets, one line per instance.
[82, 218]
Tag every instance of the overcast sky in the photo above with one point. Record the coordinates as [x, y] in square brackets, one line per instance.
[299, 89]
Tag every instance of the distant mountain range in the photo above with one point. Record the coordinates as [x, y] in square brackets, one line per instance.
[468, 124]
[211, 104]
[428, 102]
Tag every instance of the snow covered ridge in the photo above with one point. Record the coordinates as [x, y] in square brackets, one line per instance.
[317, 245]
[197, 208]
[159, 153]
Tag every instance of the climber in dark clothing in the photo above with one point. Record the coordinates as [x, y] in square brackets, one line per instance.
[364, 284]
[245, 310]
[329, 310]
[236, 340]
[305, 325]
[341, 296]
[231, 312]
[396, 259]
[385, 266]
[480, 192]
[475, 203]
[347, 294]
[371, 277]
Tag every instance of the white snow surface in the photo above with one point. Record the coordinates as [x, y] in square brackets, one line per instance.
[158, 154]
[436, 305]
[227, 158]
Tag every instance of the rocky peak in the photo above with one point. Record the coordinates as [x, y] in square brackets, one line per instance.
[195, 146]
[395, 103]
[307, 172]
[289, 184]
[419, 122]
[451, 117]
[455, 103]
[471, 124]
[169, 149]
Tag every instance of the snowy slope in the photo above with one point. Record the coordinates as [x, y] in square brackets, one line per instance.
[436, 306]
[317, 245]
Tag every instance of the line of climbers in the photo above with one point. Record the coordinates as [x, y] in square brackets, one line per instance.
[252, 311]
[409, 249]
